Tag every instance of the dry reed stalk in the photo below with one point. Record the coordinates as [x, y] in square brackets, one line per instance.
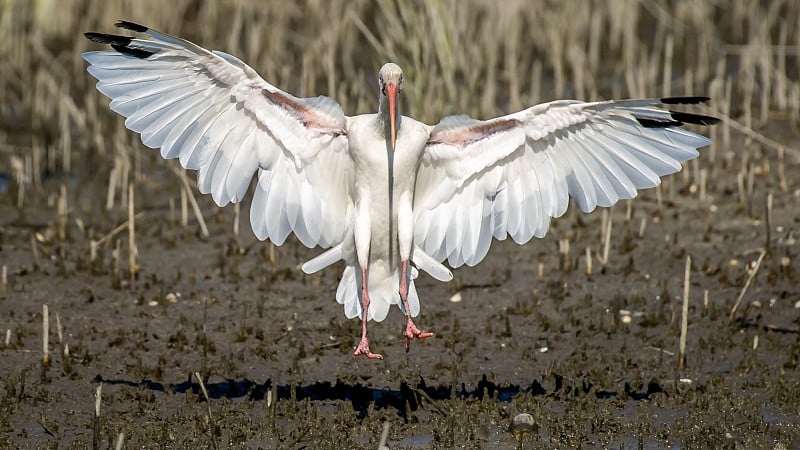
[588, 261]
[59, 329]
[669, 45]
[659, 196]
[195, 206]
[670, 183]
[19, 167]
[4, 287]
[563, 251]
[685, 313]
[755, 135]
[782, 170]
[120, 441]
[688, 82]
[45, 363]
[273, 260]
[768, 222]
[61, 220]
[132, 252]
[98, 396]
[93, 251]
[726, 101]
[703, 184]
[184, 209]
[750, 278]
[607, 241]
[603, 224]
[740, 184]
[273, 405]
[536, 81]
[211, 422]
[123, 181]
[34, 252]
[112, 187]
[172, 215]
[115, 281]
[750, 188]
[65, 140]
[384, 436]
[237, 213]
[121, 227]
[45, 335]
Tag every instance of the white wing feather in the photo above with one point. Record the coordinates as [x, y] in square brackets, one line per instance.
[508, 176]
[216, 115]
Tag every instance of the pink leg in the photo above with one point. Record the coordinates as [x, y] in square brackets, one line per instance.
[411, 330]
[363, 346]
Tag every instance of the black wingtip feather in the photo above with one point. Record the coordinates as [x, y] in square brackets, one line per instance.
[118, 43]
[697, 119]
[677, 119]
[135, 52]
[683, 100]
[103, 38]
[651, 123]
[131, 26]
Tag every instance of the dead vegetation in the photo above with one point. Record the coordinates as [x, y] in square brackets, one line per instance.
[72, 179]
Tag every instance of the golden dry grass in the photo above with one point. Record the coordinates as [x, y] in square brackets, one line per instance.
[461, 57]
[468, 57]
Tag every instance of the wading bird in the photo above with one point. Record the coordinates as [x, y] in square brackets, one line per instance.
[384, 193]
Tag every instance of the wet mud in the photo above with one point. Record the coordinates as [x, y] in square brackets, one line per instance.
[593, 358]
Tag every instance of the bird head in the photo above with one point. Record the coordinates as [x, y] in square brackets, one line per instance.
[390, 80]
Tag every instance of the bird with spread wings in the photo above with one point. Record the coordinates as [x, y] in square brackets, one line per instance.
[384, 193]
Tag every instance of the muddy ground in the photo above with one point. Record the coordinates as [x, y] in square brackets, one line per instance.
[593, 358]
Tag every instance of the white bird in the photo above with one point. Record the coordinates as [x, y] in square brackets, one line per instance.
[383, 192]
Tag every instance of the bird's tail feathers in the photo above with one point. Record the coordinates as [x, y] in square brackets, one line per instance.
[383, 291]
[331, 256]
[429, 265]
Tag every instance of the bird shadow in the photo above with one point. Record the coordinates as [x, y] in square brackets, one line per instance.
[408, 398]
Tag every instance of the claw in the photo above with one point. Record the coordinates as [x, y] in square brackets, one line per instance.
[412, 332]
[363, 346]
[363, 349]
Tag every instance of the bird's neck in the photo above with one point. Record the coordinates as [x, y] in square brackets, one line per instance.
[383, 114]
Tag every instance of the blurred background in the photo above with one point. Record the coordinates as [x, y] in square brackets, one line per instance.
[472, 57]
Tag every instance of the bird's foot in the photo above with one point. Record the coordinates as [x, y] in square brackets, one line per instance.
[412, 332]
[363, 349]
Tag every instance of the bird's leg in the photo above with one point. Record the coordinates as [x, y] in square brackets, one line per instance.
[363, 346]
[411, 330]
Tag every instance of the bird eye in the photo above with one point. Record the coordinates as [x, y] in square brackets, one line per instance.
[401, 78]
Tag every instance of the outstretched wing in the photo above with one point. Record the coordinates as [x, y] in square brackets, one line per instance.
[218, 116]
[508, 176]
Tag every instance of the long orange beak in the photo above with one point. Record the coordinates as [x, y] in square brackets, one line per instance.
[391, 92]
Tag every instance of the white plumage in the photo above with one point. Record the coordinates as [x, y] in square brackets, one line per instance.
[380, 190]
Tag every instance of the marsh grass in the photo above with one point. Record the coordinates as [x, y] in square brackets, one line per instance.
[460, 57]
